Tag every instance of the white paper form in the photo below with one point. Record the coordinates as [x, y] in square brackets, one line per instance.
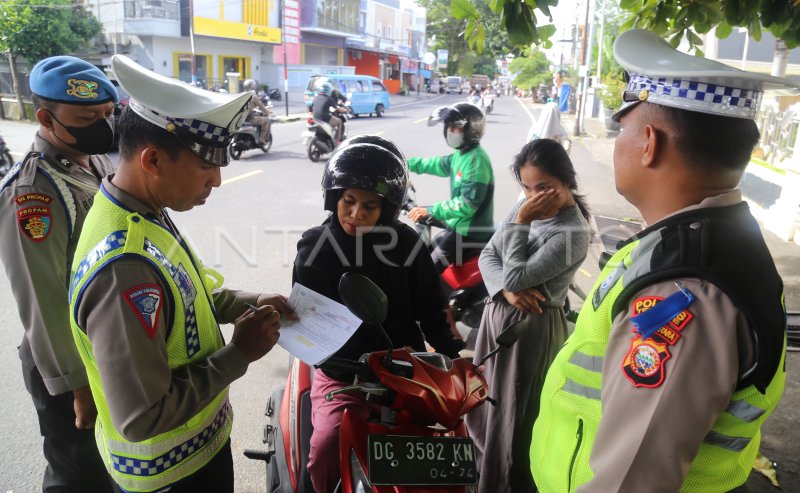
[324, 326]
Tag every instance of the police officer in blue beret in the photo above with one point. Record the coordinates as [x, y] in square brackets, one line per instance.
[43, 202]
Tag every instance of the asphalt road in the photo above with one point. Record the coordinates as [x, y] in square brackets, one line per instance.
[248, 231]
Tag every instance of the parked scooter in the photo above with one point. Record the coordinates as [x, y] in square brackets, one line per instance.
[274, 94]
[415, 439]
[6, 161]
[318, 136]
[247, 137]
[464, 283]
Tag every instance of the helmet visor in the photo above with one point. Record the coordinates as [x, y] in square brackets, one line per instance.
[447, 115]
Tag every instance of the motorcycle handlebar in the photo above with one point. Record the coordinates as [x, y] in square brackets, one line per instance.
[341, 364]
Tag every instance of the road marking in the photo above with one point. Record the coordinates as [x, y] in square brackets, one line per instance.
[421, 120]
[585, 272]
[530, 115]
[242, 177]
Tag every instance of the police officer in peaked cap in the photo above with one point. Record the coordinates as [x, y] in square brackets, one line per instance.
[678, 355]
[146, 312]
[45, 199]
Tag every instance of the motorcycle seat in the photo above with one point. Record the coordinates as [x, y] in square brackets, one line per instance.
[464, 276]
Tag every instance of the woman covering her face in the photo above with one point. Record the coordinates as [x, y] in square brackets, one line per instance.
[527, 267]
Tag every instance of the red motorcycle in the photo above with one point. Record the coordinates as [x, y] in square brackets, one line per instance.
[463, 283]
[414, 441]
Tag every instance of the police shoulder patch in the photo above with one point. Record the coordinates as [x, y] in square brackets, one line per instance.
[145, 300]
[645, 363]
[34, 222]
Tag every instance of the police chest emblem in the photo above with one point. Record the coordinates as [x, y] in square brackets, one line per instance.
[145, 300]
[84, 89]
[34, 222]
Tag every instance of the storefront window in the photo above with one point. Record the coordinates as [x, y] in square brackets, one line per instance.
[321, 55]
[184, 68]
[338, 15]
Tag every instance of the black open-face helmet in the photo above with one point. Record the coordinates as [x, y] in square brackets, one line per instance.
[371, 167]
[462, 115]
[375, 140]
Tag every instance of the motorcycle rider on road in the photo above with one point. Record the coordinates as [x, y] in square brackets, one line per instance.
[321, 108]
[468, 213]
[261, 121]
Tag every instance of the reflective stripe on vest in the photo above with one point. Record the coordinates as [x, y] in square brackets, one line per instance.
[188, 294]
[170, 455]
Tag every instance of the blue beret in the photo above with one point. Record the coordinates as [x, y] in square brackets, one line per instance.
[70, 80]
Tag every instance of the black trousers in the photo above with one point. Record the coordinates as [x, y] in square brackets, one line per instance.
[73, 462]
[453, 248]
[215, 477]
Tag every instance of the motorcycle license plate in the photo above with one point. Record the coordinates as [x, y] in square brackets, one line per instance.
[421, 460]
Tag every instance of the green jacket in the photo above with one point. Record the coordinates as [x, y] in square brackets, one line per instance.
[469, 212]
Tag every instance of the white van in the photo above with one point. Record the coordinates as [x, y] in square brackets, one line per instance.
[453, 84]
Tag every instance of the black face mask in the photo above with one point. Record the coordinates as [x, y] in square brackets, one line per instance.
[97, 138]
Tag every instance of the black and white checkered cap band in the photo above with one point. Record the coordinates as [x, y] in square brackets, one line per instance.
[203, 131]
[698, 96]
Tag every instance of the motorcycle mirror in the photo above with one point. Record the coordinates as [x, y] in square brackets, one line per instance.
[507, 337]
[362, 297]
[511, 334]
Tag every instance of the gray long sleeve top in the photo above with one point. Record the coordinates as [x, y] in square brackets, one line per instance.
[544, 254]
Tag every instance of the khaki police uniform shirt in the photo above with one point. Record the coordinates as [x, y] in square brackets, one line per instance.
[144, 396]
[37, 246]
[648, 436]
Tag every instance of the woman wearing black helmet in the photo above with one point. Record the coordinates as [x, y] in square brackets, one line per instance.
[364, 185]
[468, 213]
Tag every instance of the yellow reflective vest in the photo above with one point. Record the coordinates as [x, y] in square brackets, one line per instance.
[109, 232]
[565, 430]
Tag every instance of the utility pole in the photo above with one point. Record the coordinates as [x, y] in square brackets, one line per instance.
[191, 41]
[285, 66]
[582, 93]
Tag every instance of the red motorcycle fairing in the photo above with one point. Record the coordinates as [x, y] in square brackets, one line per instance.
[353, 437]
[464, 276]
[433, 395]
[298, 383]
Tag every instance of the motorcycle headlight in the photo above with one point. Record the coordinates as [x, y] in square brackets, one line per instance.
[358, 478]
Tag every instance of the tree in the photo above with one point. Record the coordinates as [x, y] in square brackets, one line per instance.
[531, 69]
[447, 33]
[37, 29]
[517, 17]
[678, 19]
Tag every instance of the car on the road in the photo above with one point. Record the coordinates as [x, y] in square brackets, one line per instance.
[453, 84]
[367, 94]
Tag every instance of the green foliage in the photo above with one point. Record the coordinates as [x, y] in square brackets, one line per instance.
[532, 69]
[611, 92]
[448, 32]
[517, 18]
[678, 19]
[37, 29]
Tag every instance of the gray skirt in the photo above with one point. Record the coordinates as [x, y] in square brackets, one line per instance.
[502, 433]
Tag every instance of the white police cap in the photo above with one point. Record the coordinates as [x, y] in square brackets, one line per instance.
[204, 121]
[660, 74]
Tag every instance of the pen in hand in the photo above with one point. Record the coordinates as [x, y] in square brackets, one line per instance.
[252, 307]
